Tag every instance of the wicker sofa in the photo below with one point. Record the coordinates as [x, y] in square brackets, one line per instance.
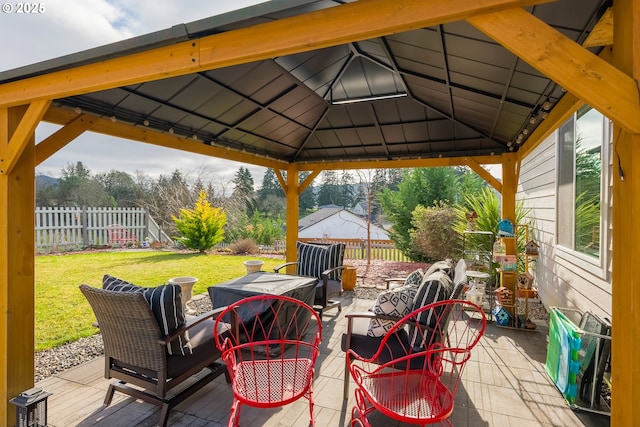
[365, 330]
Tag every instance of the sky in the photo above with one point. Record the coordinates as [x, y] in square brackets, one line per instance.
[68, 26]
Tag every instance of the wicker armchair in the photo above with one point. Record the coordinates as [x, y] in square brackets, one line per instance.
[135, 351]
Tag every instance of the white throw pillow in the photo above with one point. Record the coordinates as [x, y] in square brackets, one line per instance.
[396, 302]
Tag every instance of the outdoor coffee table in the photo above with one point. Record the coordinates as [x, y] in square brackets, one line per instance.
[261, 283]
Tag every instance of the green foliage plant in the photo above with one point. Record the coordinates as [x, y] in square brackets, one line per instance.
[487, 206]
[420, 186]
[264, 230]
[201, 228]
[433, 236]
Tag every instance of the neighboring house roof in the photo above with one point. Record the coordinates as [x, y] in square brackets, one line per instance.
[338, 223]
[317, 216]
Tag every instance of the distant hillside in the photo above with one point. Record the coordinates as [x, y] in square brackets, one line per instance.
[44, 181]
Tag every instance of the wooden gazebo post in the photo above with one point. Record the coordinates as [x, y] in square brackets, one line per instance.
[626, 230]
[293, 209]
[17, 277]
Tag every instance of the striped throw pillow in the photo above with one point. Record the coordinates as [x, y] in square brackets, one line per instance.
[434, 288]
[445, 265]
[166, 304]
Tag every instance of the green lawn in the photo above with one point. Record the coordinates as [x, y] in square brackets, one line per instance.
[61, 312]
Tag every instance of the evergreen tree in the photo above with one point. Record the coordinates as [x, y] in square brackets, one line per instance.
[78, 188]
[270, 185]
[201, 228]
[328, 193]
[346, 192]
[307, 200]
[469, 183]
[378, 183]
[121, 188]
[393, 178]
[271, 199]
[243, 190]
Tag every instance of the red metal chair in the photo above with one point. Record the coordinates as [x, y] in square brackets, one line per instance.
[415, 372]
[270, 351]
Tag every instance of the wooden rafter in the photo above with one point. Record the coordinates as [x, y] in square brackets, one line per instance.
[281, 180]
[315, 30]
[308, 180]
[563, 109]
[483, 173]
[598, 83]
[50, 145]
[11, 152]
[135, 133]
[602, 33]
[399, 163]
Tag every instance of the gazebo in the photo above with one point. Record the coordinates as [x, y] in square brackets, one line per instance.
[313, 85]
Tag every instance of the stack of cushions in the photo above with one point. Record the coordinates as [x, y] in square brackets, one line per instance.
[314, 259]
[436, 284]
[166, 304]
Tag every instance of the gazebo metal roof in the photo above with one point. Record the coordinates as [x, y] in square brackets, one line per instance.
[442, 91]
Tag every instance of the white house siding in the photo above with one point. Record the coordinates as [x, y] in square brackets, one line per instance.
[342, 225]
[563, 280]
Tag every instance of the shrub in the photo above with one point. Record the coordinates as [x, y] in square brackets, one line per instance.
[201, 228]
[433, 236]
[244, 247]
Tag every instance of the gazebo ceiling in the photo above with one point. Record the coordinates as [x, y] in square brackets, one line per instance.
[442, 91]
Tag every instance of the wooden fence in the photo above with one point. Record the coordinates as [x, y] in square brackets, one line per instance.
[359, 248]
[74, 228]
[355, 248]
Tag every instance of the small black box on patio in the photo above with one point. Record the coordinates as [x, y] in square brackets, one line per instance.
[31, 408]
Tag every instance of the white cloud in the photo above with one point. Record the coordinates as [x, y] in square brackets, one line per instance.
[69, 26]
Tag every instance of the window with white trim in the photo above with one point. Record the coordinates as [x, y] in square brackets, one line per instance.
[582, 142]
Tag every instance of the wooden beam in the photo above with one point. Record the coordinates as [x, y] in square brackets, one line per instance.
[315, 30]
[23, 135]
[308, 180]
[166, 140]
[597, 83]
[602, 33]
[17, 258]
[50, 145]
[281, 180]
[483, 173]
[561, 112]
[625, 280]
[399, 163]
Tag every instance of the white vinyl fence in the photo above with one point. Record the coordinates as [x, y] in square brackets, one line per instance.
[73, 228]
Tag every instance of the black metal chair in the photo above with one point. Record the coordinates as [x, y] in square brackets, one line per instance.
[323, 261]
